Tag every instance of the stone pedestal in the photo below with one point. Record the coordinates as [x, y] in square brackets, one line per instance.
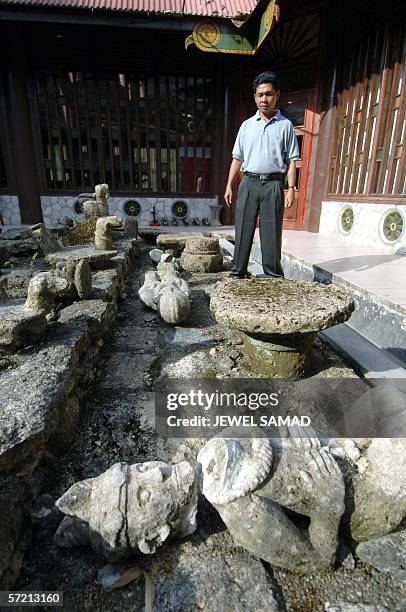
[215, 215]
[278, 356]
[280, 319]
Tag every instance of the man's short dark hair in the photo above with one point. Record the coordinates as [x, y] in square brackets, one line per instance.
[266, 77]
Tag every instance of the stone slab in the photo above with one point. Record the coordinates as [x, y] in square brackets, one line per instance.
[279, 306]
[119, 373]
[105, 285]
[97, 259]
[387, 554]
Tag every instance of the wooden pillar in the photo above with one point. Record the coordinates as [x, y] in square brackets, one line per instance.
[20, 126]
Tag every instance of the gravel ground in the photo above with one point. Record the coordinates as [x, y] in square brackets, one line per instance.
[117, 425]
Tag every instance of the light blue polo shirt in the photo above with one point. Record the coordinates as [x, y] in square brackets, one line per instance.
[266, 147]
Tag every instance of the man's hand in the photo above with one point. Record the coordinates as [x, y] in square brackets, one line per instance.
[234, 170]
[290, 198]
[228, 196]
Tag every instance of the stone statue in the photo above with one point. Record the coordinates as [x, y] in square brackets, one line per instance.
[167, 293]
[254, 483]
[102, 194]
[130, 507]
[103, 237]
[99, 206]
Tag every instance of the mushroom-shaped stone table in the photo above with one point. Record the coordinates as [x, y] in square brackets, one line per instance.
[279, 319]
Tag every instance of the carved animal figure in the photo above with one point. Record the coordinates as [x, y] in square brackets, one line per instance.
[254, 484]
[103, 237]
[130, 507]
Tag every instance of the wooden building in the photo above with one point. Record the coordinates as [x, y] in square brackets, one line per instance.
[105, 91]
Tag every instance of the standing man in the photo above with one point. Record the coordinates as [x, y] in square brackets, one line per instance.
[265, 150]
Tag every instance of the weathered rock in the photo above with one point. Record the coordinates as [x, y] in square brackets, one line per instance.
[83, 279]
[16, 233]
[97, 259]
[46, 241]
[45, 514]
[26, 246]
[98, 315]
[98, 207]
[20, 326]
[91, 210]
[103, 237]
[202, 245]
[106, 285]
[167, 266]
[346, 606]
[29, 418]
[4, 255]
[132, 507]
[174, 243]
[72, 533]
[42, 291]
[201, 263]
[202, 255]
[387, 554]
[14, 283]
[131, 226]
[379, 489]
[250, 483]
[211, 575]
[155, 255]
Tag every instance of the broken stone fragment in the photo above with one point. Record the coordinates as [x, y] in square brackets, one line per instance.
[133, 507]
[155, 255]
[175, 243]
[379, 489]
[202, 255]
[46, 241]
[78, 275]
[20, 326]
[42, 290]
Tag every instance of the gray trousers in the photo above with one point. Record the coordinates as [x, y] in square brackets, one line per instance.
[267, 197]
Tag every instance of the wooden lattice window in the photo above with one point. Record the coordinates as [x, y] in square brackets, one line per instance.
[367, 151]
[136, 132]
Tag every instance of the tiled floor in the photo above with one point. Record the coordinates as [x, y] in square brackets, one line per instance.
[381, 273]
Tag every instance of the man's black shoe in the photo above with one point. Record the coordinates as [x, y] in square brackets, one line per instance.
[235, 274]
[265, 276]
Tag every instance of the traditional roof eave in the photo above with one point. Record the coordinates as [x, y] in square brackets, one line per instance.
[243, 37]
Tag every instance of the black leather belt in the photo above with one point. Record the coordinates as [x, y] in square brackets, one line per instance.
[275, 176]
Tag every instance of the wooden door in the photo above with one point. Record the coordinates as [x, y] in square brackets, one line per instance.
[299, 108]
